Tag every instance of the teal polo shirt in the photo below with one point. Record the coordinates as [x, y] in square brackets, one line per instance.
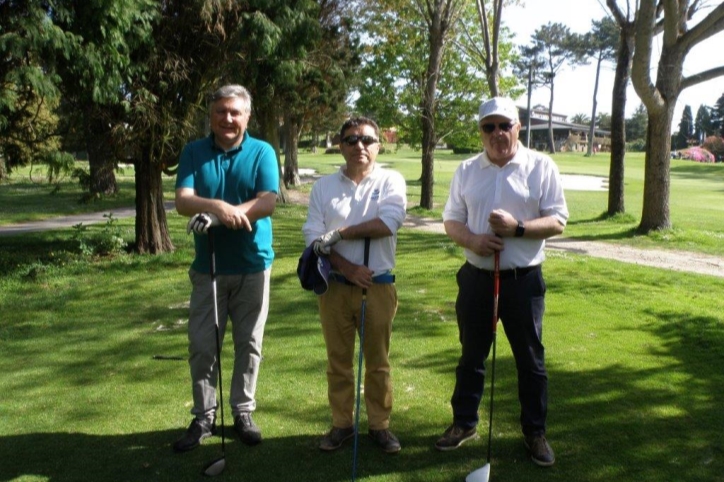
[235, 176]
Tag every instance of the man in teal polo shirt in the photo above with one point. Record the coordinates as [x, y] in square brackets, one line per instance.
[233, 178]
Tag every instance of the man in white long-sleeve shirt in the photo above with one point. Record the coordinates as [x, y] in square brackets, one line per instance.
[361, 200]
[507, 199]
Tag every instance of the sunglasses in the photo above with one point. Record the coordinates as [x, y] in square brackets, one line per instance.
[353, 140]
[503, 126]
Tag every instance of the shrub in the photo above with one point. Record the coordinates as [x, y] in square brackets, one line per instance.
[107, 242]
[715, 145]
[638, 145]
[698, 154]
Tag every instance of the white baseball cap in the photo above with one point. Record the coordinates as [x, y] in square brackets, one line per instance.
[502, 106]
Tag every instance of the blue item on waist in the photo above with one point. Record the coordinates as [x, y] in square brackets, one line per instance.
[383, 279]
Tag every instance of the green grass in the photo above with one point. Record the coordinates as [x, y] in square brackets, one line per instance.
[635, 358]
[696, 201]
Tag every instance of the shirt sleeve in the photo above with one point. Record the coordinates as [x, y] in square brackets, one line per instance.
[455, 207]
[185, 173]
[393, 207]
[553, 201]
[267, 179]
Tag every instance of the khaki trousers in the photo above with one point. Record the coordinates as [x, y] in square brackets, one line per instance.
[340, 313]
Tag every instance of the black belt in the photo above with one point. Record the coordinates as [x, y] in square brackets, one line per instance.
[508, 273]
[382, 279]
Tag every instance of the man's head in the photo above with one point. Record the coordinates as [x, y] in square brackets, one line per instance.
[499, 128]
[359, 143]
[229, 115]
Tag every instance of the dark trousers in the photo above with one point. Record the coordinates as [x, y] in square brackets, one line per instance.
[520, 308]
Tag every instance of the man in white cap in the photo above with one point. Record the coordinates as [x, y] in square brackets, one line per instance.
[507, 199]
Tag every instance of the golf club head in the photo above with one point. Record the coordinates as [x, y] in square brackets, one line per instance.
[480, 475]
[216, 467]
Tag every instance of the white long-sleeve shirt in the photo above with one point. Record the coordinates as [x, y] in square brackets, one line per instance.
[336, 201]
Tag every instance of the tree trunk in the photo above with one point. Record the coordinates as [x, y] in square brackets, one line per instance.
[101, 158]
[528, 133]
[152, 236]
[291, 150]
[592, 129]
[616, 203]
[551, 139]
[429, 139]
[268, 121]
[655, 213]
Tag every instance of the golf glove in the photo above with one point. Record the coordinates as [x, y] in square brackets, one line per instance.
[201, 222]
[323, 244]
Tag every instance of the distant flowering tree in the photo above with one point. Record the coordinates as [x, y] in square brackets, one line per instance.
[698, 154]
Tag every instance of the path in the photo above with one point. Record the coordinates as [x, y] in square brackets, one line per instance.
[665, 259]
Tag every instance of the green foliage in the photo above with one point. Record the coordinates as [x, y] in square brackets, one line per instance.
[638, 145]
[636, 125]
[108, 241]
[686, 129]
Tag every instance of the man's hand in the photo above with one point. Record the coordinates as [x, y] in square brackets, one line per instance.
[323, 244]
[201, 222]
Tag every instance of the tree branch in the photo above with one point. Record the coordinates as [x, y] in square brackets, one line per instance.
[702, 77]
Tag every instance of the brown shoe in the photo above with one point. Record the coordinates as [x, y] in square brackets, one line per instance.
[540, 451]
[335, 438]
[454, 437]
[385, 440]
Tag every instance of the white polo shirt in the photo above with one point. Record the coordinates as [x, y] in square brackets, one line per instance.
[336, 201]
[528, 187]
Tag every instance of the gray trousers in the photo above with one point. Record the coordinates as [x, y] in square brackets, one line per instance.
[245, 300]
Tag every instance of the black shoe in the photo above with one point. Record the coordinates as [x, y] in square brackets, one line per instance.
[385, 440]
[335, 438]
[540, 451]
[248, 432]
[454, 437]
[197, 431]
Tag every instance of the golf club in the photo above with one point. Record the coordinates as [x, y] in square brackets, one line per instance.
[483, 473]
[359, 363]
[217, 466]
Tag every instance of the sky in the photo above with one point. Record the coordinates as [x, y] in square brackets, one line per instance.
[574, 88]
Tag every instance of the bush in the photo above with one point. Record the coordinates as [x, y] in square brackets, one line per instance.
[715, 145]
[638, 145]
[107, 242]
[698, 154]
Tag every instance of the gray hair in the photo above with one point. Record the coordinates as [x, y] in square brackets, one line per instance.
[233, 91]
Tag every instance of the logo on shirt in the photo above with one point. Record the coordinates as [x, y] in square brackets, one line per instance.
[375, 195]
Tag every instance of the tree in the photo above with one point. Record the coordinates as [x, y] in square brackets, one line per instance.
[717, 116]
[94, 68]
[686, 129]
[624, 57]
[702, 124]
[439, 16]
[394, 78]
[552, 44]
[636, 124]
[28, 91]
[581, 119]
[529, 65]
[660, 96]
[601, 44]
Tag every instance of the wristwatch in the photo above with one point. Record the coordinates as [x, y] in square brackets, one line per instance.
[520, 229]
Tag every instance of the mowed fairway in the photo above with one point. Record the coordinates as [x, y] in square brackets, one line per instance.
[635, 356]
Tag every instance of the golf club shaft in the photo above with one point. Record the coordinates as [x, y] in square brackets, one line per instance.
[496, 295]
[359, 363]
[212, 254]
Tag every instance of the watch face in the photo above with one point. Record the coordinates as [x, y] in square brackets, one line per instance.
[520, 230]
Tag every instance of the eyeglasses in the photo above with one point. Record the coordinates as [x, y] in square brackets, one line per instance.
[353, 140]
[503, 126]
